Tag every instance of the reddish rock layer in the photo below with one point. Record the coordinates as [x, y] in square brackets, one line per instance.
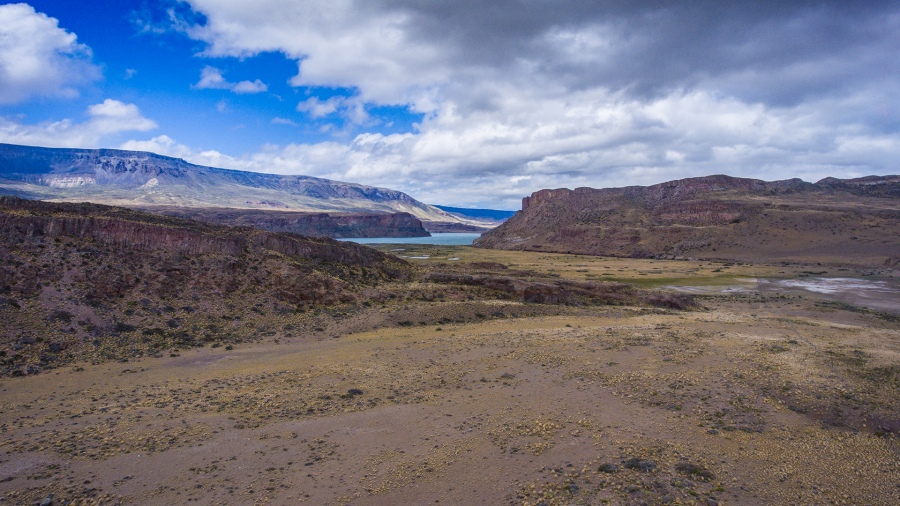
[309, 224]
[718, 217]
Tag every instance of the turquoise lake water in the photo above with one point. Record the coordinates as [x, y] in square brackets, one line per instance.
[439, 239]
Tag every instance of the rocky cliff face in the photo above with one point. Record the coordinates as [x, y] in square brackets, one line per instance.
[310, 224]
[146, 180]
[206, 257]
[837, 221]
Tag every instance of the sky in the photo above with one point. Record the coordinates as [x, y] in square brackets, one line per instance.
[459, 102]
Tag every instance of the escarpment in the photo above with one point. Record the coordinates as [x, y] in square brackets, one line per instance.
[855, 221]
[333, 225]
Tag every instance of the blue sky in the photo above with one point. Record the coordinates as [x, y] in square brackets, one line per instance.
[459, 102]
[144, 60]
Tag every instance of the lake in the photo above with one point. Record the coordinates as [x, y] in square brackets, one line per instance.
[446, 239]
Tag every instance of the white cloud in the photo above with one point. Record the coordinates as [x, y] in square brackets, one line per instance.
[106, 120]
[161, 145]
[317, 108]
[574, 94]
[256, 86]
[337, 42]
[113, 116]
[38, 58]
[212, 78]
[591, 138]
[284, 121]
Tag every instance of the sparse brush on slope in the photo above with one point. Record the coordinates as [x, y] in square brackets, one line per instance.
[84, 280]
[838, 222]
[98, 283]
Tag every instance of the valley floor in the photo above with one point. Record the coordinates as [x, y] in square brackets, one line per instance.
[772, 398]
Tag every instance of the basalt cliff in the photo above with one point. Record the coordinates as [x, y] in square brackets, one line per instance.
[853, 221]
[334, 225]
[153, 182]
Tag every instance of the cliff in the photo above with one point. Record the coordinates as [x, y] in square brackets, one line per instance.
[336, 226]
[837, 221]
[144, 255]
[147, 180]
[100, 283]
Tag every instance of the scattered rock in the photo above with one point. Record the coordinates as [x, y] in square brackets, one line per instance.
[644, 466]
[695, 471]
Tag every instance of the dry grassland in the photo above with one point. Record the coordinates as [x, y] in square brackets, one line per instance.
[749, 400]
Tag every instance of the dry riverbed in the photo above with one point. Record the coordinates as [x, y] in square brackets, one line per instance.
[773, 399]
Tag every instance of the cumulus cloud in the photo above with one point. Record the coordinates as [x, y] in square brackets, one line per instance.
[519, 96]
[394, 51]
[113, 116]
[212, 78]
[38, 58]
[161, 145]
[488, 160]
[350, 108]
[167, 146]
[106, 119]
[318, 108]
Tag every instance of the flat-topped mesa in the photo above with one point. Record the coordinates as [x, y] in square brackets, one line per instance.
[148, 181]
[541, 196]
[673, 189]
[840, 222]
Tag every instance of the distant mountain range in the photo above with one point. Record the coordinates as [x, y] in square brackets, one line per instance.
[479, 214]
[838, 221]
[149, 181]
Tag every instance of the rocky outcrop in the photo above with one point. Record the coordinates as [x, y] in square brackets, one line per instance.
[99, 283]
[837, 221]
[336, 226]
[24, 222]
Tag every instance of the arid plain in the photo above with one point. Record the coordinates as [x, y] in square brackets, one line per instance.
[758, 395]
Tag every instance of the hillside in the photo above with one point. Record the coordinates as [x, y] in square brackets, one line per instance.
[334, 225]
[90, 281]
[146, 180]
[855, 221]
[146, 359]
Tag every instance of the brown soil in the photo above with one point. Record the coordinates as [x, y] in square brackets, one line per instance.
[747, 400]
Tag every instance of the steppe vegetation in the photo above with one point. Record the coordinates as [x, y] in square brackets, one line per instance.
[463, 376]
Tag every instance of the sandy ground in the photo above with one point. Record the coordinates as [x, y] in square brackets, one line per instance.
[750, 400]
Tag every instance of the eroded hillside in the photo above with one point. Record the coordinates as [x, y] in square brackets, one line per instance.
[89, 282]
[855, 222]
[82, 280]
